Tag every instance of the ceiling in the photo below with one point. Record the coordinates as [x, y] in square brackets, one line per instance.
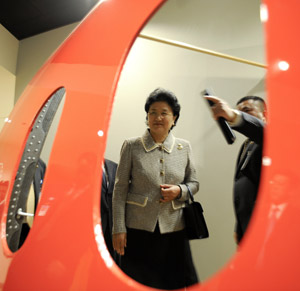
[26, 18]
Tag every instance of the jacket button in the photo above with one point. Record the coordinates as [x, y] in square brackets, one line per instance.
[161, 160]
[180, 147]
[162, 173]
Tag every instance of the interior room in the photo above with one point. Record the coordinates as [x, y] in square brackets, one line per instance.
[229, 59]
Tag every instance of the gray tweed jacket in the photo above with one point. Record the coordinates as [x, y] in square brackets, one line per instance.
[143, 167]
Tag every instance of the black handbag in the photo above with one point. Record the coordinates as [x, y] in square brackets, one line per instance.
[195, 224]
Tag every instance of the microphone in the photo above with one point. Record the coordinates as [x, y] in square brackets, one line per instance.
[222, 122]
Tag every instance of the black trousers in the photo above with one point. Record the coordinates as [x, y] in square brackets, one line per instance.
[162, 261]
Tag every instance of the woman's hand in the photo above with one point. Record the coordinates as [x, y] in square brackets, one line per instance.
[169, 192]
[119, 243]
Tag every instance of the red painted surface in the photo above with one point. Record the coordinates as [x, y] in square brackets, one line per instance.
[64, 250]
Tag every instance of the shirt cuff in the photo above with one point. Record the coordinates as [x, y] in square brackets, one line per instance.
[180, 194]
[238, 119]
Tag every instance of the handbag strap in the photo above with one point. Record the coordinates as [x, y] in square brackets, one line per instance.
[190, 192]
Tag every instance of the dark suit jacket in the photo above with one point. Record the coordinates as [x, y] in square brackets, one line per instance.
[108, 182]
[38, 180]
[37, 186]
[247, 175]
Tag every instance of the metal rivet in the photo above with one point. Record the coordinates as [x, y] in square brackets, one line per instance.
[33, 136]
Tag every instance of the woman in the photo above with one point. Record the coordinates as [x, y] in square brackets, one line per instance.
[149, 194]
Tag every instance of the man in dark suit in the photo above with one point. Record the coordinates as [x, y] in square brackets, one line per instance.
[108, 181]
[249, 119]
[38, 181]
[36, 191]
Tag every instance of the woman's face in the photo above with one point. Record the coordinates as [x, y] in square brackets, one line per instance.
[160, 118]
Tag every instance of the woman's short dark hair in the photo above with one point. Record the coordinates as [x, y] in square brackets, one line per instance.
[163, 95]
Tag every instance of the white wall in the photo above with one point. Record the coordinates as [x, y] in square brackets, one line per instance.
[34, 51]
[227, 26]
[9, 46]
[7, 85]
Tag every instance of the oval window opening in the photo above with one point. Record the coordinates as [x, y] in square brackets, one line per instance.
[228, 58]
[31, 171]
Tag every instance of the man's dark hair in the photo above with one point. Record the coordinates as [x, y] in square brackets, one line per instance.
[261, 101]
[163, 95]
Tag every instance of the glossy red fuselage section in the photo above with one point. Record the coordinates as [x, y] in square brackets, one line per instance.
[65, 248]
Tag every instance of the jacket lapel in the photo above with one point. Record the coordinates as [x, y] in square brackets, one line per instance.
[245, 156]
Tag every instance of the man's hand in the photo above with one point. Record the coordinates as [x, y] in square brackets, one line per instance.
[221, 109]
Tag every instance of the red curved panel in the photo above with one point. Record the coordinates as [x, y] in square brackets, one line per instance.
[64, 250]
[61, 250]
